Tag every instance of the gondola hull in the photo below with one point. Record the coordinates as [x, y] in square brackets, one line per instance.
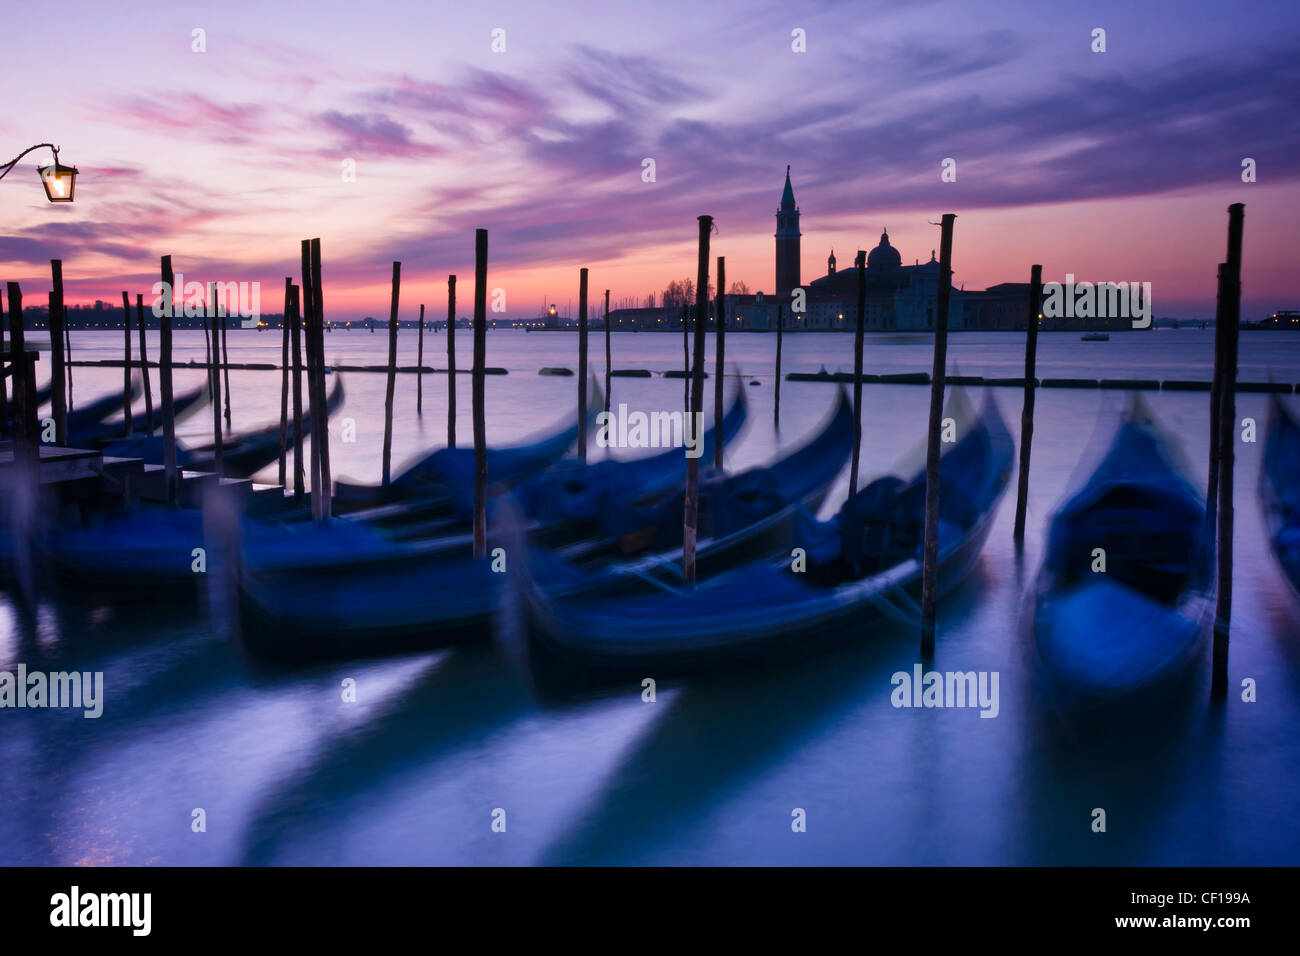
[762, 608]
[433, 594]
[1122, 605]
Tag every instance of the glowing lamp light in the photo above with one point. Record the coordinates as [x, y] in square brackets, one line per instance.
[60, 181]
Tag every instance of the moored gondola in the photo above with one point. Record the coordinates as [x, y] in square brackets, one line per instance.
[855, 568]
[1122, 603]
[302, 602]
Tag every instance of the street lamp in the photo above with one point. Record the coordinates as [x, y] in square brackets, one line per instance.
[60, 181]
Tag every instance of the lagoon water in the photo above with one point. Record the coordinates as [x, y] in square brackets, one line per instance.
[287, 773]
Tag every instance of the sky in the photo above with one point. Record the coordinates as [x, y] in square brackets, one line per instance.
[1114, 166]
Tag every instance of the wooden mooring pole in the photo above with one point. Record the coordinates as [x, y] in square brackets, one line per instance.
[451, 361]
[295, 319]
[126, 362]
[608, 353]
[309, 347]
[392, 373]
[21, 495]
[319, 414]
[930, 544]
[224, 313]
[719, 358]
[1027, 411]
[419, 365]
[214, 383]
[144, 364]
[582, 365]
[25, 430]
[691, 509]
[860, 330]
[1231, 312]
[58, 366]
[776, 407]
[171, 473]
[476, 392]
[284, 383]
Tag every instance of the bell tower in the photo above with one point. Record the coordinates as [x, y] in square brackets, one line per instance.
[787, 242]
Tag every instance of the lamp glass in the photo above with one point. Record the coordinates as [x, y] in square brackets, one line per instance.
[60, 181]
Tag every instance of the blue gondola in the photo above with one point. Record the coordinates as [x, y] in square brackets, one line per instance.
[1105, 635]
[299, 600]
[242, 455]
[861, 565]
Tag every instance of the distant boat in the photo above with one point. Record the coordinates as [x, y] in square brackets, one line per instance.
[1095, 337]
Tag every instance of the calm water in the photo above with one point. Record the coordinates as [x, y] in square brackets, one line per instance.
[410, 773]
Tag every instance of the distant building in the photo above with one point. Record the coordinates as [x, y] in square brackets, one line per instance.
[1285, 319]
[899, 298]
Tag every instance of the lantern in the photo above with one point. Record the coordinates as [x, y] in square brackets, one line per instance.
[59, 181]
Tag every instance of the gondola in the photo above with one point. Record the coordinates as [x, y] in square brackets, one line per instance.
[352, 598]
[242, 456]
[94, 412]
[562, 494]
[96, 434]
[1279, 490]
[444, 478]
[861, 565]
[1122, 602]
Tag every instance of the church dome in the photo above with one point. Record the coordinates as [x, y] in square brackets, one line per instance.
[884, 258]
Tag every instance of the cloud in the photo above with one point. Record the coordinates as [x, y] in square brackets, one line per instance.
[374, 132]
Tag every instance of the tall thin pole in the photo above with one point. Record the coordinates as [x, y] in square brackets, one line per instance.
[690, 517]
[477, 397]
[419, 366]
[144, 364]
[126, 362]
[608, 354]
[320, 422]
[861, 264]
[172, 476]
[58, 318]
[214, 384]
[207, 343]
[309, 346]
[284, 383]
[776, 408]
[225, 358]
[27, 462]
[1227, 454]
[451, 361]
[930, 545]
[295, 319]
[1027, 413]
[24, 438]
[582, 365]
[392, 373]
[719, 340]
